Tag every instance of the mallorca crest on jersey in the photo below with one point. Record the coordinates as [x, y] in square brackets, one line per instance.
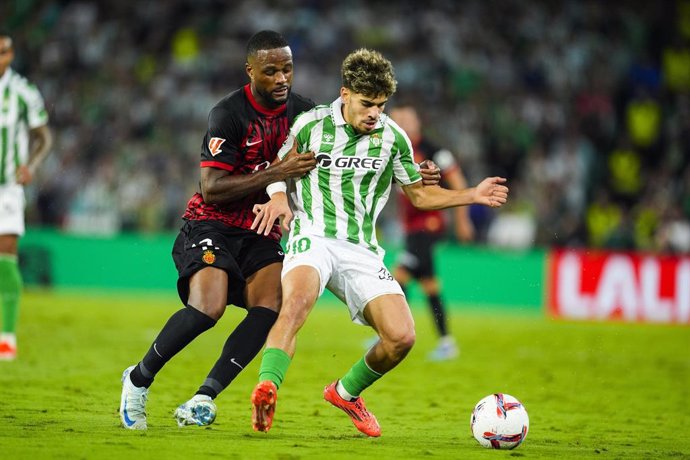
[214, 145]
[209, 257]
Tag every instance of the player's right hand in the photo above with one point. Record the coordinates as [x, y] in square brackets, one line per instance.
[297, 164]
[266, 214]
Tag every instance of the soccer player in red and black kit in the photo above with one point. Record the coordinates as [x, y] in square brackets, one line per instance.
[423, 229]
[221, 261]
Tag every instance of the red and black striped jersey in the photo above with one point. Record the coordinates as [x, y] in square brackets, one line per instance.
[243, 137]
[415, 220]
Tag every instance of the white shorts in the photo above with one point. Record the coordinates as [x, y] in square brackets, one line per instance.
[12, 205]
[353, 273]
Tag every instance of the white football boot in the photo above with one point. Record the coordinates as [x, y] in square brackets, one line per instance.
[200, 410]
[132, 403]
[446, 349]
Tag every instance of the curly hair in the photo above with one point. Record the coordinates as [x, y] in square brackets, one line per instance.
[367, 72]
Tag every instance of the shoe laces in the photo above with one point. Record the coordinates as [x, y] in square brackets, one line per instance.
[360, 408]
[137, 398]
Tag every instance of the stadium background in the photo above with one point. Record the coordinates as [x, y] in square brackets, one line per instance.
[582, 105]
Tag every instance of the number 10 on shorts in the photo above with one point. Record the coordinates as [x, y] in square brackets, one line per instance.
[298, 246]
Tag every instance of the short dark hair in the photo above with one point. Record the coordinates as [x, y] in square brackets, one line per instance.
[265, 40]
[367, 72]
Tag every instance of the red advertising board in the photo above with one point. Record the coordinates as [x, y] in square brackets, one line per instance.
[600, 285]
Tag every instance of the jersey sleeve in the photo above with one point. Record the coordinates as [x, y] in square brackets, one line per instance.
[287, 145]
[36, 110]
[405, 170]
[220, 148]
[299, 132]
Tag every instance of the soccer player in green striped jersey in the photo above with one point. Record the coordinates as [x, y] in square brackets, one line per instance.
[25, 140]
[332, 214]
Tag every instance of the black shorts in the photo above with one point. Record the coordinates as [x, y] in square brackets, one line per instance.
[418, 255]
[239, 252]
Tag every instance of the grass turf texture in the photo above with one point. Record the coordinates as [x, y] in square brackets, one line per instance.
[591, 390]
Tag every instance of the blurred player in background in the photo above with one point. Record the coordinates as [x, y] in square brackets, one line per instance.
[25, 140]
[423, 229]
[220, 261]
[332, 237]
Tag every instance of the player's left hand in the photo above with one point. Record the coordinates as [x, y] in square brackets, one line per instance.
[266, 214]
[431, 174]
[24, 175]
[491, 193]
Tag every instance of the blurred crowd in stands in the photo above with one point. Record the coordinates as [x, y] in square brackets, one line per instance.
[583, 105]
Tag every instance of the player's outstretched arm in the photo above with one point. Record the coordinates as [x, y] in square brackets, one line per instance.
[490, 192]
[266, 214]
[464, 228]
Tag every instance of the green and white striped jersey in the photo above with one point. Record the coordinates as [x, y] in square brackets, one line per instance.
[343, 196]
[21, 109]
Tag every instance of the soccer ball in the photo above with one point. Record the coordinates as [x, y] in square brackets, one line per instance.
[499, 421]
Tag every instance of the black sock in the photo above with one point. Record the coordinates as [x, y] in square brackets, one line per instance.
[241, 347]
[439, 314]
[182, 327]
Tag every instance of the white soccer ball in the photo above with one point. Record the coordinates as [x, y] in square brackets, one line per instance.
[499, 421]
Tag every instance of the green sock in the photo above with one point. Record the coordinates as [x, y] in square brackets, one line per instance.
[359, 377]
[274, 365]
[10, 290]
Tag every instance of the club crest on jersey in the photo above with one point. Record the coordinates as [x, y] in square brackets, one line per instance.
[214, 145]
[209, 257]
[375, 139]
[324, 160]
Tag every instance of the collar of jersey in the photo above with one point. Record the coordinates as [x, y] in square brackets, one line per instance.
[260, 108]
[339, 120]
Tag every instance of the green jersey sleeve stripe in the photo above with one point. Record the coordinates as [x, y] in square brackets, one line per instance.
[404, 166]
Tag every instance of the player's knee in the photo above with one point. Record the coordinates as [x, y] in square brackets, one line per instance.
[215, 312]
[400, 345]
[407, 341]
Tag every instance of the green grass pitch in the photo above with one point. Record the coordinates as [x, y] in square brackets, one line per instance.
[592, 390]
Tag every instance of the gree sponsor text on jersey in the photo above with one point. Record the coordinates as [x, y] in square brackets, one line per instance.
[325, 160]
